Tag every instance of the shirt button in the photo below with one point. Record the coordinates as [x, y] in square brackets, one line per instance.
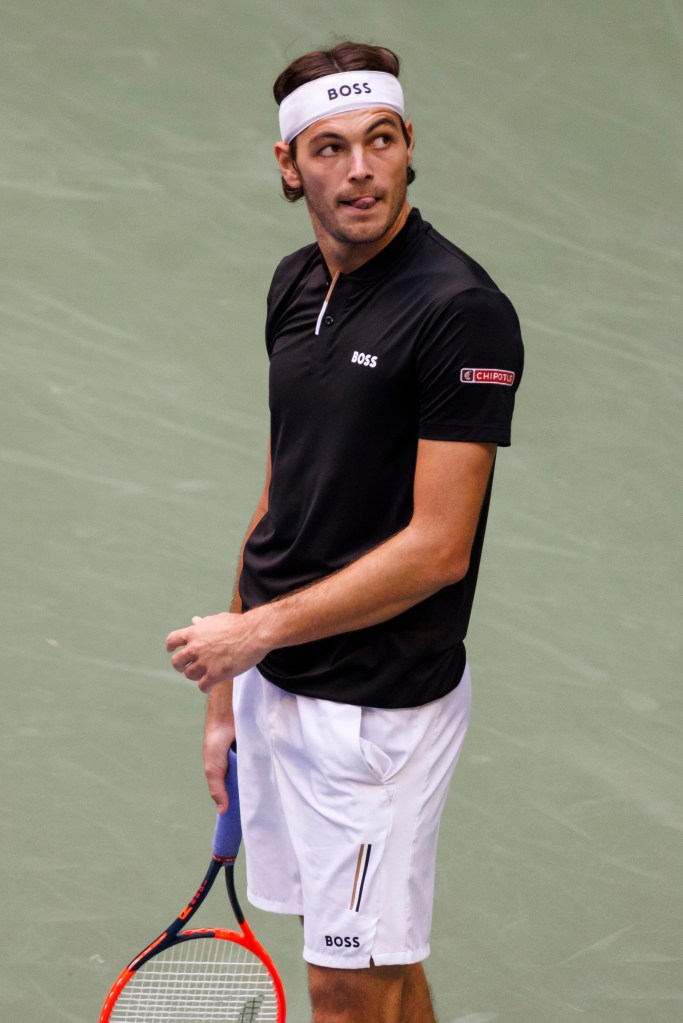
[329, 320]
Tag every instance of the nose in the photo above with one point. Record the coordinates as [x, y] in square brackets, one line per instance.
[359, 165]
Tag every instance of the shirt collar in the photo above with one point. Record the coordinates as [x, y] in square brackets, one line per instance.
[392, 254]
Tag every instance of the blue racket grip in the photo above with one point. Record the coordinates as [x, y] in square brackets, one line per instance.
[227, 834]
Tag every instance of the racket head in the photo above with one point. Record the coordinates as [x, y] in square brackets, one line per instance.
[203, 975]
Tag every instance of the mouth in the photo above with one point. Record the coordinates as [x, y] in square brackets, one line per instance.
[363, 203]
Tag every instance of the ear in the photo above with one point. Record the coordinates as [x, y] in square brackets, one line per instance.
[411, 136]
[288, 168]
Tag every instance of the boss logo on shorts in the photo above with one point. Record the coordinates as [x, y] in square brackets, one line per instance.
[364, 360]
[357, 89]
[504, 377]
[337, 941]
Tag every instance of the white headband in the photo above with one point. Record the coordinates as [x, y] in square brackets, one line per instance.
[338, 94]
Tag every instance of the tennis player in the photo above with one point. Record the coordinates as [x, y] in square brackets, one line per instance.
[394, 362]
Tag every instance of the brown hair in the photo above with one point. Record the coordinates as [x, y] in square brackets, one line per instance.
[345, 56]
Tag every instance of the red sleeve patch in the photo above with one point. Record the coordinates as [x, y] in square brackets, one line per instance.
[504, 377]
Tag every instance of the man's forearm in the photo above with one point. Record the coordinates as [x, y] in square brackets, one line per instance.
[219, 706]
[378, 586]
[219, 703]
[219, 727]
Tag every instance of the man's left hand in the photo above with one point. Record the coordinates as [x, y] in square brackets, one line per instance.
[214, 649]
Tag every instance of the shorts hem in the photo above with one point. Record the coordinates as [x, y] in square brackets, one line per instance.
[405, 958]
[271, 906]
[336, 962]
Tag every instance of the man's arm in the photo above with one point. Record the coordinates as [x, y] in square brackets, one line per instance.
[219, 729]
[433, 551]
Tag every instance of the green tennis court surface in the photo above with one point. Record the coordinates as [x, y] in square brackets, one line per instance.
[141, 220]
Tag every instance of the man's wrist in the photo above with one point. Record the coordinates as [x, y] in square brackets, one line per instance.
[263, 633]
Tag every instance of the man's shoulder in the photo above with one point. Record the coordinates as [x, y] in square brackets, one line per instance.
[290, 276]
[447, 265]
[451, 285]
[297, 263]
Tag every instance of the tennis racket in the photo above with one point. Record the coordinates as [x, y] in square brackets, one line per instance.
[203, 974]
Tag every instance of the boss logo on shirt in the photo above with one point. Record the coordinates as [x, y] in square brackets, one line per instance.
[504, 377]
[364, 360]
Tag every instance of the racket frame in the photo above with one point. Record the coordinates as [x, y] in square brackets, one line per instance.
[174, 935]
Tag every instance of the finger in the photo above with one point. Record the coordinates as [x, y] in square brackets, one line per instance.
[180, 660]
[195, 672]
[175, 639]
[196, 619]
[205, 683]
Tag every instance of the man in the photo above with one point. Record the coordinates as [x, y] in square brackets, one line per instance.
[394, 360]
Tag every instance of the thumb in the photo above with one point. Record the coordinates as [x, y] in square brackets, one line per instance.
[215, 777]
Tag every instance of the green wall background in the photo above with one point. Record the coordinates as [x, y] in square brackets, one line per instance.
[141, 221]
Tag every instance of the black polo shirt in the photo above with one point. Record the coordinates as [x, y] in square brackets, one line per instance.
[417, 343]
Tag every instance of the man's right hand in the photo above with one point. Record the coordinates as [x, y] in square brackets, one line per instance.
[219, 734]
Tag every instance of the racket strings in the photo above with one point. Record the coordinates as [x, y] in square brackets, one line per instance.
[199, 979]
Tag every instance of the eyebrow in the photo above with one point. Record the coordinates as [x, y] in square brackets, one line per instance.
[385, 119]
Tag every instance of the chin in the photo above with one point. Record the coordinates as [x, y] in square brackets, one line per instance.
[370, 230]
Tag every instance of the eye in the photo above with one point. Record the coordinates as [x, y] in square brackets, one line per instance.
[382, 141]
[331, 149]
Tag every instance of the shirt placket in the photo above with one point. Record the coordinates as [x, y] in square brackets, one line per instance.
[330, 318]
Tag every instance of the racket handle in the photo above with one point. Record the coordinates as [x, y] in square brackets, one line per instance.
[228, 831]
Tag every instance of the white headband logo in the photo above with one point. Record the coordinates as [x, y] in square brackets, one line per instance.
[338, 94]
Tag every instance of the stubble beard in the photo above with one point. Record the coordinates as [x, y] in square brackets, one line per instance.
[360, 234]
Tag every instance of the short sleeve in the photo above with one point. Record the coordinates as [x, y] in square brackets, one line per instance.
[469, 364]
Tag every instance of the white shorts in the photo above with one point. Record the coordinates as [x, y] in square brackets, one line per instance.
[340, 814]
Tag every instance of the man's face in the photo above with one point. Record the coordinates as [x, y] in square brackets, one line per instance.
[353, 169]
